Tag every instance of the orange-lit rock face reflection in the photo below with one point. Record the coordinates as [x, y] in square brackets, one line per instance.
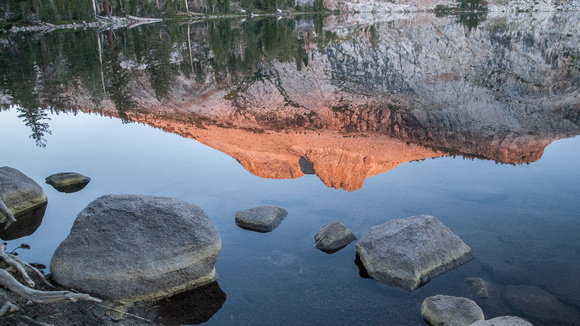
[342, 149]
[346, 102]
[340, 161]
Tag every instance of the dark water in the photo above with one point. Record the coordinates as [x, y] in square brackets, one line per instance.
[520, 218]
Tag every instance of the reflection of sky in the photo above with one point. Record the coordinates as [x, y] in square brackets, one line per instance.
[503, 212]
[137, 159]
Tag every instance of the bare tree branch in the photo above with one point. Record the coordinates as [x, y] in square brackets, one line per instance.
[6, 213]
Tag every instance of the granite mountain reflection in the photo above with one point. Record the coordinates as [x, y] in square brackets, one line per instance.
[344, 99]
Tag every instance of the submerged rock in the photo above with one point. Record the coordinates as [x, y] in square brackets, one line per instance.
[444, 310]
[68, 181]
[333, 237]
[131, 247]
[409, 252]
[540, 305]
[502, 321]
[479, 286]
[19, 195]
[261, 219]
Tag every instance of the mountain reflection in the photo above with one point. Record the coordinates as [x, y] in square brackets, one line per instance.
[341, 97]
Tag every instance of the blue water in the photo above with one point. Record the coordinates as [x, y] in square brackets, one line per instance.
[521, 221]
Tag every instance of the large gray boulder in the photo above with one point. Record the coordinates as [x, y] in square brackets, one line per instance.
[19, 193]
[409, 252]
[68, 181]
[502, 321]
[333, 237]
[445, 310]
[261, 219]
[132, 247]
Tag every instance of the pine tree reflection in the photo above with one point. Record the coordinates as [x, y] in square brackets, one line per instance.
[36, 118]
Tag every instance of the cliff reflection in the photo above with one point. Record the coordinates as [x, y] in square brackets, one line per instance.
[339, 160]
[340, 97]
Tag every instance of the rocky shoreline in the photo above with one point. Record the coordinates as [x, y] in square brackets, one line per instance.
[108, 254]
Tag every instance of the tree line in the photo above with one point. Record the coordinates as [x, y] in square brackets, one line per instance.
[33, 11]
[53, 71]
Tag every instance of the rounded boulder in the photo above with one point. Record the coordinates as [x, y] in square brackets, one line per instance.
[19, 193]
[133, 247]
[445, 310]
[68, 181]
[410, 252]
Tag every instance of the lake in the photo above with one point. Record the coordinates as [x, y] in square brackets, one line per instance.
[359, 119]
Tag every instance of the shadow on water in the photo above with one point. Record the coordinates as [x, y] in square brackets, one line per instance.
[192, 307]
[362, 271]
[70, 188]
[25, 225]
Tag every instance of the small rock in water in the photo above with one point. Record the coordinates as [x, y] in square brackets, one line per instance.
[410, 252]
[261, 219]
[444, 310]
[333, 237]
[502, 321]
[68, 181]
[540, 305]
[479, 285]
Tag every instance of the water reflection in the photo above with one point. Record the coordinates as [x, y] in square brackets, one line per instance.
[37, 119]
[328, 96]
[193, 307]
[69, 188]
[25, 225]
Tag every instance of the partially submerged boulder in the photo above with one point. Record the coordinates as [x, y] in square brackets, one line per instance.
[502, 321]
[409, 252]
[19, 195]
[132, 247]
[445, 310]
[68, 181]
[261, 219]
[333, 237]
[540, 305]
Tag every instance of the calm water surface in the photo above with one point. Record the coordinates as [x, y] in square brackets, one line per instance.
[520, 219]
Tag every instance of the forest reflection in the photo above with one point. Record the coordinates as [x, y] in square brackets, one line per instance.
[41, 72]
[288, 97]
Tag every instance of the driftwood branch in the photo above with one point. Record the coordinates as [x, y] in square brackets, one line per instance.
[13, 263]
[33, 269]
[6, 214]
[12, 284]
[8, 281]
